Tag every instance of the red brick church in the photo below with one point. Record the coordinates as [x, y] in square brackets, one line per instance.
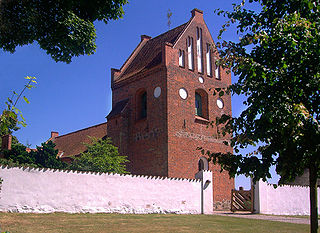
[161, 107]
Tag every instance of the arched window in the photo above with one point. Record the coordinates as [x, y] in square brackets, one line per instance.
[217, 71]
[200, 165]
[203, 164]
[199, 50]
[198, 102]
[190, 52]
[201, 104]
[208, 57]
[141, 104]
[181, 58]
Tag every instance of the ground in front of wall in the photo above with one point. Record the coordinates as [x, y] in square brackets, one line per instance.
[62, 222]
[297, 219]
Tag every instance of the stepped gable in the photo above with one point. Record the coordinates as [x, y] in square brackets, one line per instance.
[150, 54]
[72, 144]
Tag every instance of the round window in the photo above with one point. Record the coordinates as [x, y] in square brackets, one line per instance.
[183, 93]
[201, 80]
[157, 92]
[220, 103]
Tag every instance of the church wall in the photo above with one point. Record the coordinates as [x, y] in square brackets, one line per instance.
[118, 131]
[165, 142]
[186, 131]
[146, 138]
[30, 190]
[283, 200]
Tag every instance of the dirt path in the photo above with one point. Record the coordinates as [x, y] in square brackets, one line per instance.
[278, 218]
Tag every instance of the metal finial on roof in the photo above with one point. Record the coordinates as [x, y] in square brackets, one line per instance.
[169, 14]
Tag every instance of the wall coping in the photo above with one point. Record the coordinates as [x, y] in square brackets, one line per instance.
[284, 185]
[99, 173]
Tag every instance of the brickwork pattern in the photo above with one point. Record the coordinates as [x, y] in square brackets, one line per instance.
[185, 131]
[165, 142]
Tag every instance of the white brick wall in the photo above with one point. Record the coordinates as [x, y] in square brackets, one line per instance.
[46, 190]
[284, 200]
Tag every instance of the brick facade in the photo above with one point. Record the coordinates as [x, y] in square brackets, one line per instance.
[164, 142]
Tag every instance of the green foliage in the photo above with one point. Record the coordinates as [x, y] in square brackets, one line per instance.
[277, 63]
[11, 117]
[64, 29]
[18, 154]
[44, 156]
[101, 156]
[47, 156]
[8, 122]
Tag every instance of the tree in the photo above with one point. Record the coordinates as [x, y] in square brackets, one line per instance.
[19, 155]
[64, 29]
[277, 62]
[44, 156]
[47, 156]
[100, 156]
[11, 116]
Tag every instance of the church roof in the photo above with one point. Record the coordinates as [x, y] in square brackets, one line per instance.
[150, 54]
[117, 109]
[302, 180]
[72, 144]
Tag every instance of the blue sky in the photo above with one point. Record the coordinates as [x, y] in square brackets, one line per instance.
[73, 96]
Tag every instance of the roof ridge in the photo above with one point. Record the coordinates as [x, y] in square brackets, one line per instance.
[151, 52]
[184, 24]
[141, 44]
[183, 30]
[80, 130]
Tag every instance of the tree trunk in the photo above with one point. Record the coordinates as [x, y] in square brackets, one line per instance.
[313, 199]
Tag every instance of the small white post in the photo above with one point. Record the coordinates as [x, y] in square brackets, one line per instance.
[206, 191]
[256, 196]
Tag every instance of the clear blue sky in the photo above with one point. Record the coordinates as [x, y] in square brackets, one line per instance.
[73, 96]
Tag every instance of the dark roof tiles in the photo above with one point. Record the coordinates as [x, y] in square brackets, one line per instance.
[72, 144]
[117, 108]
[302, 180]
[150, 54]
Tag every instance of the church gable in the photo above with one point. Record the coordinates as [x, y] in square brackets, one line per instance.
[195, 47]
[148, 54]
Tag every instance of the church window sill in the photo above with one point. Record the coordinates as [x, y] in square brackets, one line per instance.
[200, 119]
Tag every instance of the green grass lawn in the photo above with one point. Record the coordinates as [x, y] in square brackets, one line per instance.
[61, 222]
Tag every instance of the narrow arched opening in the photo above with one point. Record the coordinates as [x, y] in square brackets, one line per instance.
[141, 103]
[201, 103]
[203, 164]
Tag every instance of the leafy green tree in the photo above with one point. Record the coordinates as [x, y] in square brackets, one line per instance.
[44, 156]
[11, 116]
[64, 29]
[277, 62]
[19, 155]
[47, 156]
[100, 156]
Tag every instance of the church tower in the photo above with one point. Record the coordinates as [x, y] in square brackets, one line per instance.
[162, 106]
